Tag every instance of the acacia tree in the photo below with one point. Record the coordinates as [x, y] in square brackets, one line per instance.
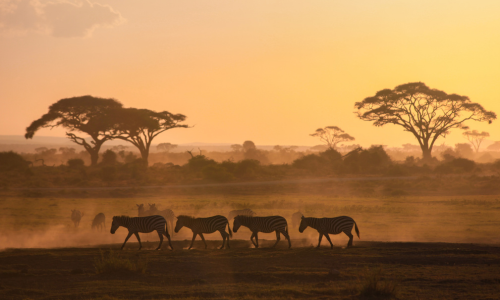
[427, 113]
[85, 114]
[166, 147]
[141, 126]
[332, 135]
[476, 138]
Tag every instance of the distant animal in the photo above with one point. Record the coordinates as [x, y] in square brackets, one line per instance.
[263, 224]
[166, 213]
[327, 226]
[241, 212]
[76, 216]
[143, 225]
[99, 221]
[199, 226]
[296, 218]
[141, 212]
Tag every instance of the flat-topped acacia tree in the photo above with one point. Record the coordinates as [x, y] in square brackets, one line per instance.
[427, 113]
[141, 126]
[86, 114]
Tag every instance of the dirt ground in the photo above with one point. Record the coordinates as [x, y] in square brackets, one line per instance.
[419, 271]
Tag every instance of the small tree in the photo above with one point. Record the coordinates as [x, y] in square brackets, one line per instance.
[166, 147]
[427, 113]
[141, 126]
[332, 135]
[86, 114]
[476, 138]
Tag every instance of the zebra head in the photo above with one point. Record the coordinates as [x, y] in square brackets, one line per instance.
[181, 222]
[237, 223]
[303, 224]
[140, 207]
[115, 224]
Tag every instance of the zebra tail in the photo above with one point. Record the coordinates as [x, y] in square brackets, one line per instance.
[356, 229]
[230, 232]
[166, 230]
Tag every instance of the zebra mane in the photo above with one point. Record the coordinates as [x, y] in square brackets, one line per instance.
[243, 217]
[185, 217]
[122, 217]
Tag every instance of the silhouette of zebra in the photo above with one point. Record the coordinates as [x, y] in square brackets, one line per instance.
[99, 221]
[330, 225]
[143, 213]
[263, 224]
[143, 225]
[199, 226]
[296, 218]
[76, 216]
[166, 213]
[241, 212]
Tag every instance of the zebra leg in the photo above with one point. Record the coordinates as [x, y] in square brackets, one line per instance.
[203, 239]
[328, 238]
[320, 238]
[139, 239]
[256, 240]
[251, 239]
[277, 238]
[349, 244]
[288, 238]
[126, 239]
[223, 234]
[161, 239]
[192, 241]
[169, 243]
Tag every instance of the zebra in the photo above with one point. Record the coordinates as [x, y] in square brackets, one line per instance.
[263, 224]
[330, 225]
[168, 214]
[99, 221]
[76, 216]
[143, 213]
[142, 224]
[199, 226]
[241, 212]
[296, 218]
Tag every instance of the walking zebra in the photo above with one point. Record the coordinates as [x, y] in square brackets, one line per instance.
[168, 214]
[263, 224]
[76, 216]
[296, 218]
[99, 221]
[199, 226]
[241, 212]
[144, 225]
[330, 225]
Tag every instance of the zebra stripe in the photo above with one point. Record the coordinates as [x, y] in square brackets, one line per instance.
[199, 226]
[241, 212]
[327, 226]
[263, 224]
[144, 225]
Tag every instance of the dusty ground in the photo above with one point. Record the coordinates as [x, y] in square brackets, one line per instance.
[421, 271]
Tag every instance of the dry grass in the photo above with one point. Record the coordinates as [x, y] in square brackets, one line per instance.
[111, 262]
[375, 285]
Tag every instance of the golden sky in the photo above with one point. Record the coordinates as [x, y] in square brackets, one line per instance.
[267, 71]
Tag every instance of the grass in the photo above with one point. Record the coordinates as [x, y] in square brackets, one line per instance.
[112, 263]
[375, 285]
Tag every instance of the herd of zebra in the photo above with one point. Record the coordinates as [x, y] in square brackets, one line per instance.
[160, 221]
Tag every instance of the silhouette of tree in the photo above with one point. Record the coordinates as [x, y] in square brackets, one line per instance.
[166, 147]
[141, 126]
[476, 138]
[236, 147]
[332, 135]
[426, 113]
[249, 145]
[85, 114]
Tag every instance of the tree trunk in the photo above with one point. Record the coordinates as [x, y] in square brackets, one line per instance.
[145, 156]
[426, 154]
[94, 157]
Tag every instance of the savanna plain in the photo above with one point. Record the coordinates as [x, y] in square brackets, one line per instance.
[440, 245]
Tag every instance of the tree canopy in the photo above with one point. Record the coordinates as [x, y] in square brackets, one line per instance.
[141, 126]
[427, 113]
[475, 138]
[332, 136]
[85, 114]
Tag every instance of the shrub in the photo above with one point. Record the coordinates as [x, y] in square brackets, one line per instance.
[12, 161]
[75, 163]
[456, 165]
[247, 168]
[108, 173]
[109, 157]
[112, 263]
[198, 162]
[374, 286]
[217, 173]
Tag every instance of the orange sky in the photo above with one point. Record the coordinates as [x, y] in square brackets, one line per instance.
[267, 71]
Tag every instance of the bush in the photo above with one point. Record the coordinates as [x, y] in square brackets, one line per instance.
[216, 173]
[109, 157]
[198, 162]
[12, 161]
[108, 173]
[374, 286]
[75, 163]
[456, 165]
[112, 263]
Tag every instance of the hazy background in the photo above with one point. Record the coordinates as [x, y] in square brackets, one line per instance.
[267, 71]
